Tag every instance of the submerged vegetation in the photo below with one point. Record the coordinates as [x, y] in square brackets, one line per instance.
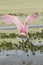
[20, 46]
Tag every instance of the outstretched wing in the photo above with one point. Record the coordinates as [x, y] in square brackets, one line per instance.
[9, 19]
[31, 18]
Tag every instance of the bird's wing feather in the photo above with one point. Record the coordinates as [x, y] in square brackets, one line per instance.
[31, 18]
[9, 19]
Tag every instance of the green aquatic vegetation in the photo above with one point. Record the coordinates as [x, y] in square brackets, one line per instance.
[12, 35]
[3, 35]
[23, 44]
[19, 14]
[31, 35]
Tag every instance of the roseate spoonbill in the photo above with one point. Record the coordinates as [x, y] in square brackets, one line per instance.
[23, 29]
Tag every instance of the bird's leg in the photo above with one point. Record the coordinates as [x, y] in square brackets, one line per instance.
[28, 42]
[22, 39]
[23, 42]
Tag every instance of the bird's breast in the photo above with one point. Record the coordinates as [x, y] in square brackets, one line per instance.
[23, 31]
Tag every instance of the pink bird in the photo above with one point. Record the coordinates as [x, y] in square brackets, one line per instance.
[23, 29]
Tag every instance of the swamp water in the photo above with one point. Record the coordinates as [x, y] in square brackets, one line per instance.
[20, 57]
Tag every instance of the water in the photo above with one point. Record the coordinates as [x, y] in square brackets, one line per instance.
[19, 57]
[22, 57]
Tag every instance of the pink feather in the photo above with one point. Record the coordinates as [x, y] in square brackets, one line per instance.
[31, 18]
[23, 29]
